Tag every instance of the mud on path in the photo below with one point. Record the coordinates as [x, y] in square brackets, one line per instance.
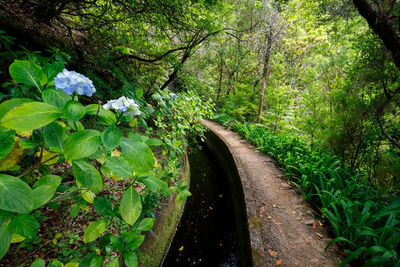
[283, 229]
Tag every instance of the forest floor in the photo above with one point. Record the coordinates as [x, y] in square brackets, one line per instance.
[283, 229]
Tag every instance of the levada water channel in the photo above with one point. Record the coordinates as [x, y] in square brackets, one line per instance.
[213, 230]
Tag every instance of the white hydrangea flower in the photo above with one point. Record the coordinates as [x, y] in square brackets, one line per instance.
[123, 104]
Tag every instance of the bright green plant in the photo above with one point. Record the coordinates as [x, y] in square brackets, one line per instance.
[52, 130]
[360, 216]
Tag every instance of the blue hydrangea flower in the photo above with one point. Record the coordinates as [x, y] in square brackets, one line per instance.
[71, 81]
[123, 104]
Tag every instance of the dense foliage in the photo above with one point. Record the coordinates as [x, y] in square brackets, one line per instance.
[61, 157]
[361, 217]
[321, 79]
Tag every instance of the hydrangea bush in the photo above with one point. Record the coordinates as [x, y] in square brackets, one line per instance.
[52, 131]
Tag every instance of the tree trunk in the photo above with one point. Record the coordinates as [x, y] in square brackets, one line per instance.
[382, 25]
[265, 74]
[220, 81]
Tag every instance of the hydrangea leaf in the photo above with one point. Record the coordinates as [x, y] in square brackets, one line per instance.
[15, 195]
[138, 154]
[54, 136]
[44, 189]
[6, 143]
[25, 225]
[94, 230]
[119, 167]
[131, 206]
[30, 116]
[13, 157]
[104, 116]
[74, 111]
[28, 73]
[56, 98]
[5, 238]
[111, 137]
[87, 175]
[8, 105]
[81, 144]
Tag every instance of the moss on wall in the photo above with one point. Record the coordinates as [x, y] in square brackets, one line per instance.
[157, 242]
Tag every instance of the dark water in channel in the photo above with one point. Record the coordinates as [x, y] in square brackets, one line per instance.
[208, 234]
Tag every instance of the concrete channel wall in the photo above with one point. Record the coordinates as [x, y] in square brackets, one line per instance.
[158, 240]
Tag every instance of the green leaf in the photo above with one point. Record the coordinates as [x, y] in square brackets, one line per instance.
[91, 260]
[81, 144]
[134, 241]
[105, 240]
[87, 176]
[56, 98]
[6, 143]
[131, 206]
[15, 195]
[94, 230]
[103, 206]
[30, 116]
[38, 262]
[8, 105]
[54, 136]
[138, 154]
[74, 111]
[55, 263]
[119, 167]
[25, 225]
[28, 73]
[111, 137]
[114, 263]
[117, 243]
[104, 116]
[139, 93]
[44, 189]
[74, 210]
[352, 256]
[130, 259]
[51, 70]
[154, 142]
[25, 143]
[155, 184]
[145, 225]
[5, 238]
[339, 239]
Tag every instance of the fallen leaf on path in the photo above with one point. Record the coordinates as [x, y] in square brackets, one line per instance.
[320, 223]
[272, 253]
[297, 219]
[279, 262]
[314, 225]
[269, 217]
[296, 263]
[307, 241]
[318, 234]
[281, 188]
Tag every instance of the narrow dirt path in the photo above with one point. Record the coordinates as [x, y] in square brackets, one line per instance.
[283, 229]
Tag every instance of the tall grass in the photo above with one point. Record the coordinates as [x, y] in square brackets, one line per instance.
[364, 221]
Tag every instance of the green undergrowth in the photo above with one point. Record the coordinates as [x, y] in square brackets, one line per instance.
[363, 218]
